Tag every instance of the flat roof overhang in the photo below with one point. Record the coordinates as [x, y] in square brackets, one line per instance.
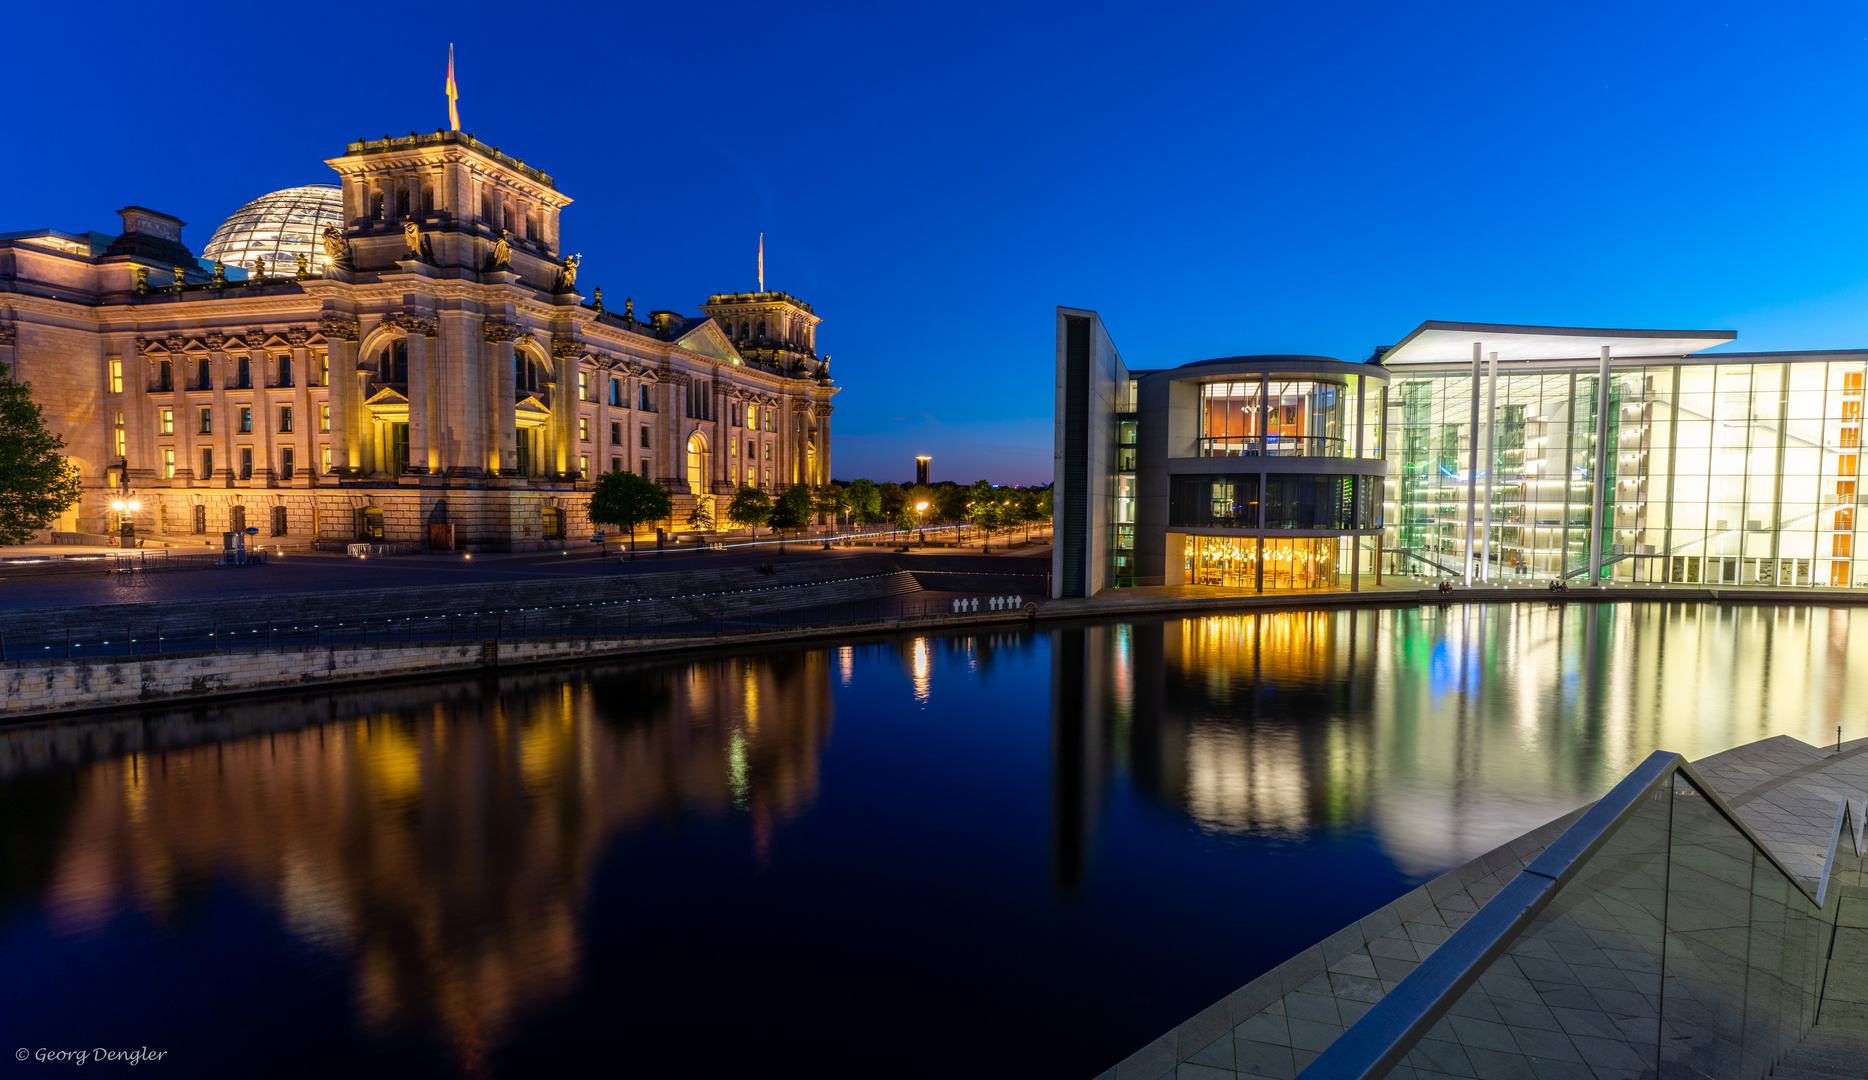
[1451, 342]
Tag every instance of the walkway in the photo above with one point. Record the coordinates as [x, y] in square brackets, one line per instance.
[1274, 1026]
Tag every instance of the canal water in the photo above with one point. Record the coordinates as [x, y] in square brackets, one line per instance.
[1015, 854]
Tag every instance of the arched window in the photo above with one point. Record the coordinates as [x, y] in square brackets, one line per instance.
[376, 206]
[761, 329]
[393, 365]
[486, 208]
[428, 200]
[402, 204]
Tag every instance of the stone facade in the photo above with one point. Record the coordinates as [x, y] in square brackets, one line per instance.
[444, 369]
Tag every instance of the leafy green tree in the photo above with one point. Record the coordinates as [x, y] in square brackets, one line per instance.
[905, 519]
[629, 502]
[950, 501]
[832, 501]
[36, 482]
[749, 509]
[986, 508]
[793, 509]
[1027, 502]
[700, 519]
[865, 500]
[891, 496]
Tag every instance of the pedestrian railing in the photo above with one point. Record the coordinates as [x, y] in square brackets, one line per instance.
[1658, 936]
[642, 618]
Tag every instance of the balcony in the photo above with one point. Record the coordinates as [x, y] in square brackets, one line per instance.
[1271, 446]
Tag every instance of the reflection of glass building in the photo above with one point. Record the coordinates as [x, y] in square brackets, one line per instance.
[1512, 453]
[1621, 450]
[1253, 472]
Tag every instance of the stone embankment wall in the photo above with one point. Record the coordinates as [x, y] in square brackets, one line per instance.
[33, 688]
[698, 593]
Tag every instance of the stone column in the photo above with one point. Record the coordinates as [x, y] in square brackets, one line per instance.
[501, 432]
[340, 337]
[304, 437]
[265, 416]
[222, 437]
[420, 393]
[667, 397]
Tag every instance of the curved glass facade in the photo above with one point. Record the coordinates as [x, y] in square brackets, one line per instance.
[268, 234]
[1275, 416]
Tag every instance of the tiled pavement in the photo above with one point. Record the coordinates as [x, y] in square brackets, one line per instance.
[1274, 1026]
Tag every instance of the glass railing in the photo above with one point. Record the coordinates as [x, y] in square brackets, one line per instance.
[1271, 446]
[1658, 936]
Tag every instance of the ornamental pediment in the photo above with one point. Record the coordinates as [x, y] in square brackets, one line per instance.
[707, 339]
[388, 395]
[531, 412]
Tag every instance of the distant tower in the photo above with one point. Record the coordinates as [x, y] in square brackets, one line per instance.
[921, 470]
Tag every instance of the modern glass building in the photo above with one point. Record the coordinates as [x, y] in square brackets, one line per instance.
[1620, 456]
[1249, 472]
[1477, 452]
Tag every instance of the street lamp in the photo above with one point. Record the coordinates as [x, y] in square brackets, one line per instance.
[920, 509]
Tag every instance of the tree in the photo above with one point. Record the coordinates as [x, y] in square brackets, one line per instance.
[792, 511]
[950, 501]
[905, 519]
[986, 508]
[921, 504]
[891, 496]
[1027, 503]
[865, 500]
[36, 482]
[700, 519]
[628, 501]
[749, 509]
[833, 500]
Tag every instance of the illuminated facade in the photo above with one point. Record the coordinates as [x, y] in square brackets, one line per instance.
[1713, 469]
[435, 364]
[1251, 472]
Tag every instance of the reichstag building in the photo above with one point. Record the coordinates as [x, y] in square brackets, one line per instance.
[405, 355]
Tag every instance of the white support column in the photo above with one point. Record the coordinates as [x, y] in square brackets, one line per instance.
[1472, 465]
[1598, 498]
[1491, 463]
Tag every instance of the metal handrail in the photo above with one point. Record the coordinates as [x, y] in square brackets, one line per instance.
[1384, 1035]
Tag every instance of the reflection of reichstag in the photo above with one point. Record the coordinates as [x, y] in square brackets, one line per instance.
[1479, 452]
[1449, 730]
[443, 850]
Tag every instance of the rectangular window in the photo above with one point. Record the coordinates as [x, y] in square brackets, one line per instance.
[325, 466]
[616, 392]
[207, 421]
[165, 376]
[768, 451]
[583, 428]
[288, 462]
[278, 512]
[323, 367]
[203, 381]
[645, 436]
[246, 419]
[616, 433]
[752, 416]
[245, 374]
[583, 464]
[732, 416]
[616, 464]
[285, 418]
[324, 417]
[207, 464]
[168, 463]
[771, 419]
[165, 421]
[642, 395]
[246, 463]
[583, 386]
[642, 468]
[768, 478]
[285, 370]
[733, 444]
[118, 414]
[116, 375]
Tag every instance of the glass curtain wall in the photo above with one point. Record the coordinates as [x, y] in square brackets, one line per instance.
[1304, 562]
[1717, 474]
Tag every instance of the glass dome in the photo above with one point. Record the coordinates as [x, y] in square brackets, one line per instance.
[276, 229]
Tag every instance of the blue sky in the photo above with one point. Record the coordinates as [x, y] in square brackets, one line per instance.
[934, 179]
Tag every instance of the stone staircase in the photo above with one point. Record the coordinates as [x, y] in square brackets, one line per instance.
[1826, 1054]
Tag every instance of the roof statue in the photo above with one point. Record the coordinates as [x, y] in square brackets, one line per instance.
[412, 236]
[502, 251]
[567, 277]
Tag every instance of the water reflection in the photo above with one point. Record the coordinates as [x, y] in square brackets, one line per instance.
[444, 846]
[444, 853]
[1450, 729]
